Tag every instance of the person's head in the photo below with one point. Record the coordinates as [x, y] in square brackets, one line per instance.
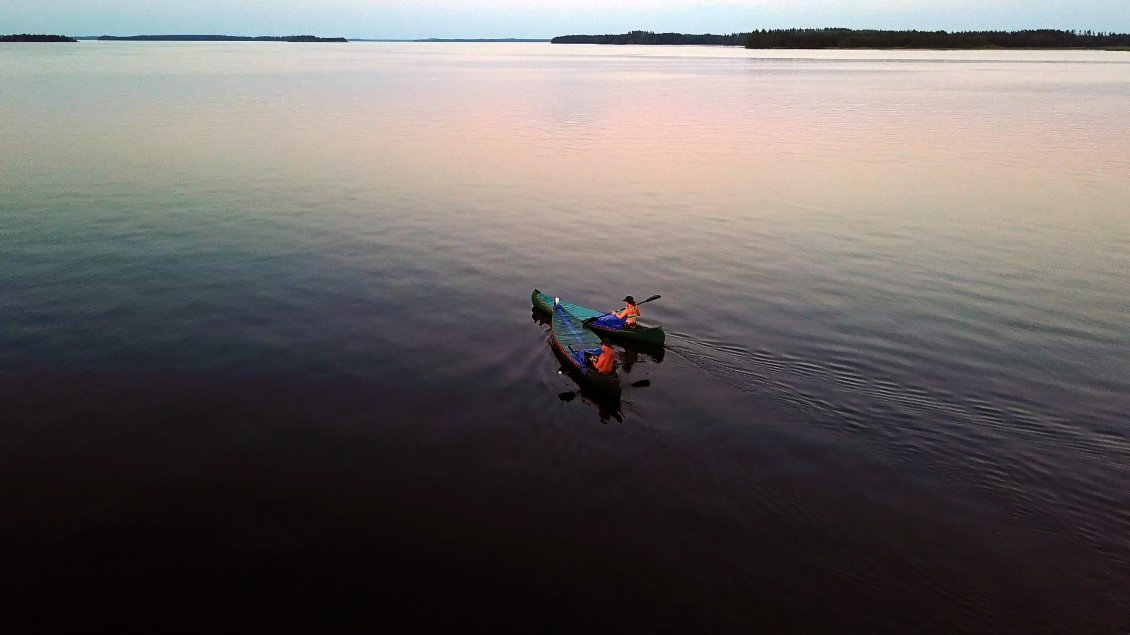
[630, 300]
[605, 342]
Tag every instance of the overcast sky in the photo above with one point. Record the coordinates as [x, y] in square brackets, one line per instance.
[542, 18]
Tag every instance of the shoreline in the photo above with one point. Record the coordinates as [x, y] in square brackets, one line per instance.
[841, 38]
[31, 38]
[865, 48]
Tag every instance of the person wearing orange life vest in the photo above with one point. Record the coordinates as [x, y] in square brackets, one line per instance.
[629, 313]
[607, 360]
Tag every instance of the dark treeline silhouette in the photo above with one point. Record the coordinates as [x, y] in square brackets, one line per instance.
[29, 37]
[850, 38]
[311, 38]
[222, 38]
[648, 37]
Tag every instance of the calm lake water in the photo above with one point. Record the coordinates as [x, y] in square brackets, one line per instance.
[267, 354]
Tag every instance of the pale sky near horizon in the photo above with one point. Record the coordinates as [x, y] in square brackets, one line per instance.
[543, 18]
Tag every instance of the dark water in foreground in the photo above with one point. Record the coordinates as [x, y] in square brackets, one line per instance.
[267, 356]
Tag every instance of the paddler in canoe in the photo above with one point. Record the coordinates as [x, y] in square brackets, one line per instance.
[623, 319]
[606, 363]
[629, 313]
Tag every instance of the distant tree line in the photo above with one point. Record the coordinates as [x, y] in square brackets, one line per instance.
[648, 37]
[222, 38]
[29, 37]
[851, 38]
[311, 38]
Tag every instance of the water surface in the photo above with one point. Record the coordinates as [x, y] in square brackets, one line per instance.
[266, 337]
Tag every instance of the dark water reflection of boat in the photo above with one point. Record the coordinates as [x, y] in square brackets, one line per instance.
[634, 354]
[541, 317]
[607, 407]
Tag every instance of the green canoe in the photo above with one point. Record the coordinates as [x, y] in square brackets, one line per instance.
[652, 336]
[570, 340]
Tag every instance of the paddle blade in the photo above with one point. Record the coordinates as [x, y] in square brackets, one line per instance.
[654, 297]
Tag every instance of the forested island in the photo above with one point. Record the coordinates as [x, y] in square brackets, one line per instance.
[872, 39]
[220, 38]
[650, 37]
[854, 39]
[29, 37]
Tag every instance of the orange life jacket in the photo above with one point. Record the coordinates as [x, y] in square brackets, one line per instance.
[606, 361]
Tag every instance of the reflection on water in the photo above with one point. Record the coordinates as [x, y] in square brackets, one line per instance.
[541, 317]
[263, 324]
[632, 354]
[607, 408]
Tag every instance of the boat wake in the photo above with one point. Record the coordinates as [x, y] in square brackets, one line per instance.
[985, 441]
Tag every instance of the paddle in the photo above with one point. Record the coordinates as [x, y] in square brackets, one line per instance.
[654, 297]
